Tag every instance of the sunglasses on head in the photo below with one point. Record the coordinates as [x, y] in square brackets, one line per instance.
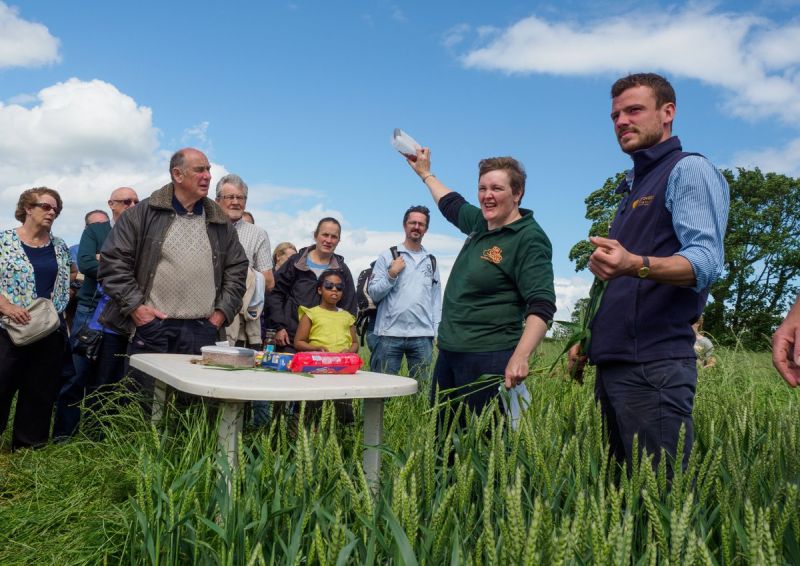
[328, 286]
[126, 201]
[47, 207]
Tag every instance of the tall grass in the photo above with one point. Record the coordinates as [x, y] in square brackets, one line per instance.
[488, 494]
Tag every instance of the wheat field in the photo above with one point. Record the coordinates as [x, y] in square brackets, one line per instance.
[543, 493]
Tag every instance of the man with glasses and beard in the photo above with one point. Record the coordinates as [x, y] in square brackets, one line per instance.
[405, 287]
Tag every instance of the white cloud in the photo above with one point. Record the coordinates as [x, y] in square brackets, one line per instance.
[22, 99]
[74, 123]
[455, 35]
[260, 194]
[82, 138]
[785, 160]
[779, 48]
[568, 291]
[197, 134]
[750, 58]
[398, 15]
[296, 227]
[24, 43]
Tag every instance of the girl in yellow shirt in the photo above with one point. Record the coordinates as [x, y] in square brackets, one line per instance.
[326, 328]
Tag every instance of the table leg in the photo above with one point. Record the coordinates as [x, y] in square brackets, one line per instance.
[159, 401]
[373, 438]
[230, 426]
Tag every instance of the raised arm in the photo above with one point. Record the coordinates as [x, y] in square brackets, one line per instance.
[422, 167]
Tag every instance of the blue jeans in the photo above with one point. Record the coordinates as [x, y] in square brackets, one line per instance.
[388, 355]
[370, 337]
[651, 400]
[73, 388]
[461, 369]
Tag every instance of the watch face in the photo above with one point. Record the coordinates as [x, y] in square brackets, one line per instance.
[644, 272]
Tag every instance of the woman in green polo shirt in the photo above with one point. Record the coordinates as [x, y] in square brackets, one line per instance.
[499, 298]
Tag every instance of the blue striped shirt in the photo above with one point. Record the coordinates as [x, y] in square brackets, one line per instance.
[698, 198]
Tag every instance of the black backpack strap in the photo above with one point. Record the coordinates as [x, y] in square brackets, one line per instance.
[362, 322]
[394, 252]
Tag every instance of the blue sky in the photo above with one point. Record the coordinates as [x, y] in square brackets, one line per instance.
[300, 99]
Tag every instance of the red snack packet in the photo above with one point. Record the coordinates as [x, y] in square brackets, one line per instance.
[325, 362]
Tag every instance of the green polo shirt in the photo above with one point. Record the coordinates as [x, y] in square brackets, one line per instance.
[496, 274]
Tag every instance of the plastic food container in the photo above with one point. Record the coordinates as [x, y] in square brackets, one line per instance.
[228, 356]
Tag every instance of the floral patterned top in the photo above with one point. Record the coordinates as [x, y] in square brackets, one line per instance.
[17, 282]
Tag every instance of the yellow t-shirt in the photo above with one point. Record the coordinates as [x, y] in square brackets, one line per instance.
[329, 329]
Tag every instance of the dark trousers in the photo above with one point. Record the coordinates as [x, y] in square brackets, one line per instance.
[169, 336]
[33, 372]
[106, 371]
[651, 400]
[73, 386]
[460, 369]
[110, 364]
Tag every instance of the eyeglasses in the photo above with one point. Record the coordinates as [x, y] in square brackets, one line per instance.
[330, 286]
[47, 207]
[234, 197]
[125, 201]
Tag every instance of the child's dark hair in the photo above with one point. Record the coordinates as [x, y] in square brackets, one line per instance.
[327, 273]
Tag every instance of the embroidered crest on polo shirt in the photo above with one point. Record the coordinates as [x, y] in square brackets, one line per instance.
[643, 201]
[493, 254]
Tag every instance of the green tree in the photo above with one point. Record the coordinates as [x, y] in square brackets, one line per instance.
[762, 254]
[600, 208]
[762, 259]
[580, 306]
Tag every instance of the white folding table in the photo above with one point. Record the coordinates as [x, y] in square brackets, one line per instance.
[234, 388]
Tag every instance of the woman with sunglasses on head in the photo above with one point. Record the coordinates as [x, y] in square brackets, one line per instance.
[326, 327]
[296, 282]
[33, 263]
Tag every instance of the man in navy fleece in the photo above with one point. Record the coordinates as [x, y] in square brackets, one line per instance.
[664, 250]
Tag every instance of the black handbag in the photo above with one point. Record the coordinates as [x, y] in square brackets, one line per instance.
[88, 342]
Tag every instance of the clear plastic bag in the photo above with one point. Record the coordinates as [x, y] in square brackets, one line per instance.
[405, 144]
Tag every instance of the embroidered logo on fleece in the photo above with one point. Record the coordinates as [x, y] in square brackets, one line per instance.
[493, 254]
[644, 201]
